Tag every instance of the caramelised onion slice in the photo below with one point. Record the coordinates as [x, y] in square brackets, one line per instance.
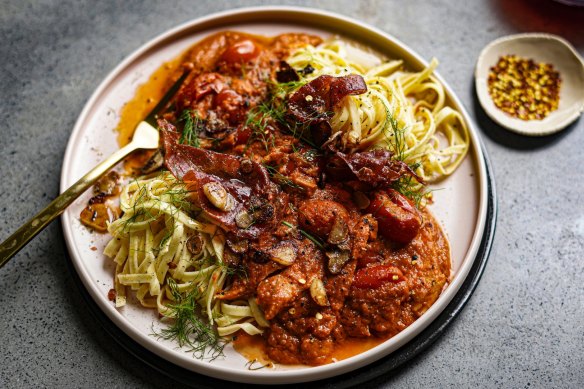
[361, 200]
[154, 163]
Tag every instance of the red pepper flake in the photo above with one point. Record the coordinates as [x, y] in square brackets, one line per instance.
[523, 88]
[111, 295]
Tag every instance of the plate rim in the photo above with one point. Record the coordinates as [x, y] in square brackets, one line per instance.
[259, 15]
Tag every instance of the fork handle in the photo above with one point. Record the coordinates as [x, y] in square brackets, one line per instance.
[35, 225]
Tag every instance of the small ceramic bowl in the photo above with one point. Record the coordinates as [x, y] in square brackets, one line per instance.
[541, 48]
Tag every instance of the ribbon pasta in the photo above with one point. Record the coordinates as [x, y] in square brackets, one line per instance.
[150, 250]
[403, 111]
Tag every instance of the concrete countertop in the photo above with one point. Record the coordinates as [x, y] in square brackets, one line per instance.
[523, 327]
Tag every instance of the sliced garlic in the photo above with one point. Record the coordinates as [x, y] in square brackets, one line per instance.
[318, 292]
[218, 196]
[195, 243]
[284, 254]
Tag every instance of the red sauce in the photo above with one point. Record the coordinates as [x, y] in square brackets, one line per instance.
[253, 348]
[230, 76]
[145, 99]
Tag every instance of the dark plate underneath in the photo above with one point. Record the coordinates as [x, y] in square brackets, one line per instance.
[360, 376]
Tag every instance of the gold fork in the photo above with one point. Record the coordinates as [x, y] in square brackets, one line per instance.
[145, 137]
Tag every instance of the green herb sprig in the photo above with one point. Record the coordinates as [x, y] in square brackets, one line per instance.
[188, 329]
[308, 236]
[406, 185]
[274, 108]
[280, 178]
[192, 128]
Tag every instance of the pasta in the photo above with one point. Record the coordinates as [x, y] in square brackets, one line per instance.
[402, 111]
[152, 255]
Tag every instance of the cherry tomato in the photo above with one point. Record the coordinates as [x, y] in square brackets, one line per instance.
[373, 277]
[242, 51]
[398, 218]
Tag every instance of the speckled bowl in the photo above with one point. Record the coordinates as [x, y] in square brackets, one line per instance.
[541, 48]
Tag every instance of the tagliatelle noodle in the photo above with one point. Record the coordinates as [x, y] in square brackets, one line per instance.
[402, 111]
[152, 234]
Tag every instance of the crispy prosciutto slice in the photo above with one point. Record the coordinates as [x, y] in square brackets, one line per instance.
[255, 203]
[313, 103]
[375, 168]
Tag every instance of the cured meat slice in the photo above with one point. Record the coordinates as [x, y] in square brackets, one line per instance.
[376, 168]
[313, 103]
[256, 203]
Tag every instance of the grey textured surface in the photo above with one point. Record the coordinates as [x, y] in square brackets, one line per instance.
[524, 326]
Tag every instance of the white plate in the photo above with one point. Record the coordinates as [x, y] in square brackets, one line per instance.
[460, 205]
[540, 47]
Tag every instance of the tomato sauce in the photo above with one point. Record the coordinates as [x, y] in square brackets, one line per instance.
[351, 277]
[254, 348]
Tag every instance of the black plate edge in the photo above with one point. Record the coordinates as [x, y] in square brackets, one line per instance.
[363, 375]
